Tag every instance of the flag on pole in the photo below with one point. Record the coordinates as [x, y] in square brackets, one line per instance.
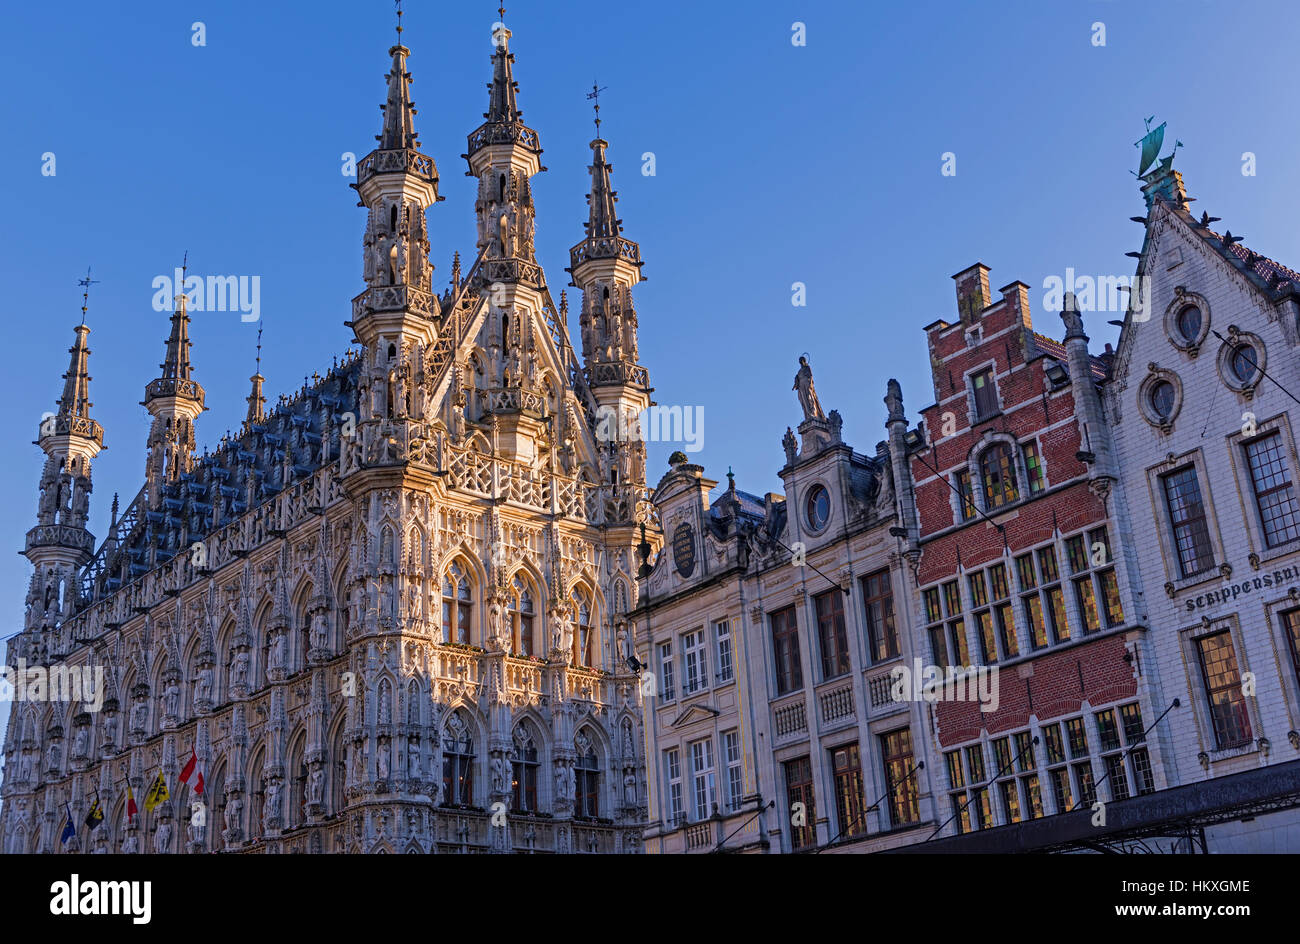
[192, 774]
[157, 794]
[69, 830]
[131, 808]
[96, 814]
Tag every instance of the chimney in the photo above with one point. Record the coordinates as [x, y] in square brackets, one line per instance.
[972, 293]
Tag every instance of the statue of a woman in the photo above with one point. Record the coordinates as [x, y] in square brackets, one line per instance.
[803, 385]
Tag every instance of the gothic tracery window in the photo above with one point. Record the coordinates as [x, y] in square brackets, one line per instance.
[457, 761]
[524, 766]
[582, 632]
[586, 769]
[457, 606]
[521, 617]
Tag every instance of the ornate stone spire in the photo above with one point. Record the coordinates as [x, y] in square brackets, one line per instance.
[399, 111]
[256, 401]
[602, 220]
[60, 543]
[175, 400]
[504, 121]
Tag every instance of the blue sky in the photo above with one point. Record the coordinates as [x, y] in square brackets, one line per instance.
[774, 164]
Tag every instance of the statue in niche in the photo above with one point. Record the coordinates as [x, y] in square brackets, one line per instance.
[239, 672]
[316, 785]
[803, 386]
[162, 839]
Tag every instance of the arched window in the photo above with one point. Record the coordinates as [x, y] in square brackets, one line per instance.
[521, 617]
[582, 634]
[524, 766]
[457, 762]
[457, 606]
[339, 771]
[998, 472]
[392, 218]
[586, 787]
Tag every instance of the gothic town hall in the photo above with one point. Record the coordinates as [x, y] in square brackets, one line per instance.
[387, 616]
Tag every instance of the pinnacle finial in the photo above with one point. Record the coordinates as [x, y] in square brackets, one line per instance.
[85, 284]
[594, 97]
[399, 22]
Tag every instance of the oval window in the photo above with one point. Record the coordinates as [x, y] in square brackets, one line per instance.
[1244, 363]
[1162, 399]
[819, 507]
[1189, 323]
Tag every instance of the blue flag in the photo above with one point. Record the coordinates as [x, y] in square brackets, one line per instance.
[69, 830]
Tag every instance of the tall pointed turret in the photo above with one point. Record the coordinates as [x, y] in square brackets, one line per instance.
[60, 542]
[175, 400]
[504, 154]
[396, 184]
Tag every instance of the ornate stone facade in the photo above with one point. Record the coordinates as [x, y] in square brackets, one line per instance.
[388, 615]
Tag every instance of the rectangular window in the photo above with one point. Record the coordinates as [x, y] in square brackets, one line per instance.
[831, 632]
[1033, 467]
[799, 789]
[1056, 609]
[1034, 619]
[704, 784]
[1054, 743]
[1083, 782]
[986, 396]
[673, 770]
[847, 768]
[667, 692]
[735, 772]
[1087, 600]
[1110, 598]
[722, 638]
[978, 589]
[1108, 730]
[1060, 779]
[1274, 497]
[1010, 801]
[1076, 553]
[1116, 778]
[1187, 520]
[1007, 630]
[1077, 737]
[998, 581]
[1291, 626]
[785, 651]
[957, 638]
[1025, 571]
[900, 779]
[882, 634]
[966, 494]
[988, 638]
[1025, 761]
[951, 599]
[1033, 796]
[1223, 693]
[931, 598]
[694, 676]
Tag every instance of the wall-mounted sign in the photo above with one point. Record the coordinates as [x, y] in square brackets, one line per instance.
[1232, 591]
[684, 549]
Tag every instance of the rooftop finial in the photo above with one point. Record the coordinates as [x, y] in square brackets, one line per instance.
[594, 97]
[501, 12]
[85, 284]
[259, 346]
[399, 22]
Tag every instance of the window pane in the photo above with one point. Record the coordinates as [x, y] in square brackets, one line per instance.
[1033, 467]
[1223, 692]
[1274, 496]
[1187, 518]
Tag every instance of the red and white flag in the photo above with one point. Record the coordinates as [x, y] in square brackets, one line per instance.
[192, 775]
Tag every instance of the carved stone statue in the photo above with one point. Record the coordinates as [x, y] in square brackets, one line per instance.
[239, 668]
[500, 774]
[271, 808]
[278, 647]
[316, 785]
[195, 829]
[382, 761]
[203, 686]
[173, 696]
[234, 811]
[162, 839]
[413, 760]
[561, 784]
[790, 445]
[803, 385]
[131, 844]
[81, 746]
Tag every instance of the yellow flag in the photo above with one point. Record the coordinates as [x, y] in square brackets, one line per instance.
[157, 794]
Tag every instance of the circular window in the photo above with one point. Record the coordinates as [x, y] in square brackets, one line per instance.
[1162, 398]
[819, 507]
[1189, 323]
[1244, 363]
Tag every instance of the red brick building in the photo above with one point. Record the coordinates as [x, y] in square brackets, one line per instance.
[1015, 570]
